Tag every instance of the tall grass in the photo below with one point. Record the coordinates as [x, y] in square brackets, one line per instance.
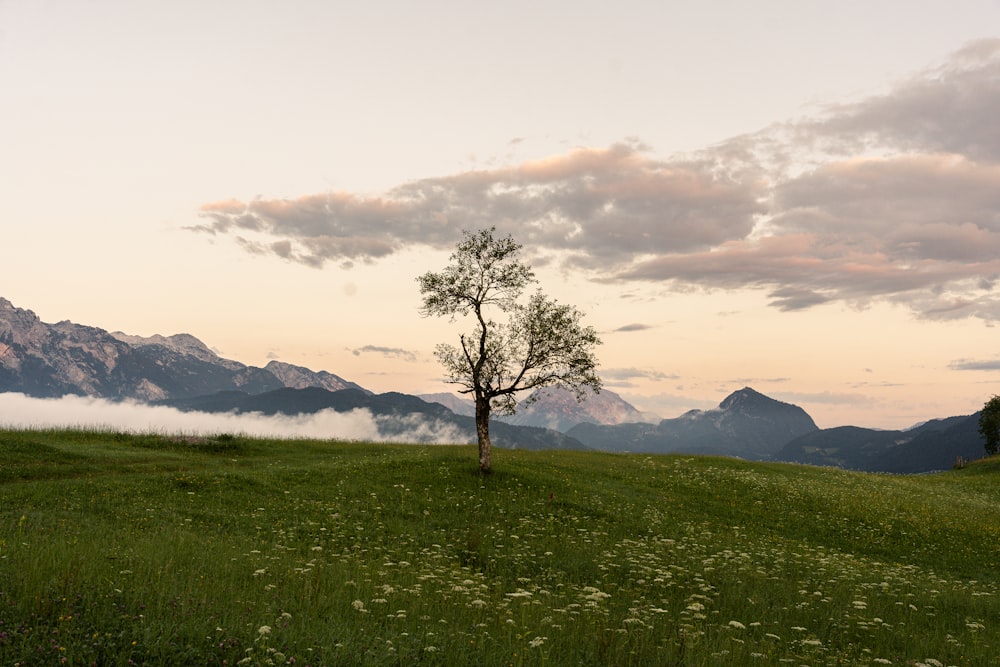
[146, 549]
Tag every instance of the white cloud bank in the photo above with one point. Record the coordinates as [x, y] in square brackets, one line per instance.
[83, 412]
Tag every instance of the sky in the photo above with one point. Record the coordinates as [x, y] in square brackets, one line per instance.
[800, 197]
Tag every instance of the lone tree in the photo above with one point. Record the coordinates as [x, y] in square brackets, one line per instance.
[989, 425]
[541, 343]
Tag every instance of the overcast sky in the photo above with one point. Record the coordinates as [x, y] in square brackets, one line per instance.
[802, 197]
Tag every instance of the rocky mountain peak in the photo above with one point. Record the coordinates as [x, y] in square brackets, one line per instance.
[558, 409]
[299, 377]
[15, 322]
[747, 398]
[747, 403]
[180, 342]
[48, 360]
[744, 396]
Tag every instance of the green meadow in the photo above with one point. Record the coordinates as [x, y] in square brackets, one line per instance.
[120, 549]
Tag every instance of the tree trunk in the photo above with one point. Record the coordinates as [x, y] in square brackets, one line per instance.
[483, 434]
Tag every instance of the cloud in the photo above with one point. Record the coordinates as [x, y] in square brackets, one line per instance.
[949, 109]
[390, 352]
[974, 365]
[825, 398]
[635, 326]
[910, 229]
[596, 206]
[894, 197]
[20, 411]
[749, 382]
[668, 405]
[625, 377]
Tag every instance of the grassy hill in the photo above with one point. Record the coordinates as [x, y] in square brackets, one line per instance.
[143, 549]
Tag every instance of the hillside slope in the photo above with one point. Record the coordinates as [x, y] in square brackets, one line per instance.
[176, 550]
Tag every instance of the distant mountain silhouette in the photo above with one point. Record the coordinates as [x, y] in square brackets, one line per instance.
[394, 413]
[746, 424]
[934, 445]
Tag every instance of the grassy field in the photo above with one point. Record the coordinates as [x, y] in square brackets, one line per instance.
[143, 549]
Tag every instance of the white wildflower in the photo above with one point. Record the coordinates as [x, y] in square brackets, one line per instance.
[521, 593]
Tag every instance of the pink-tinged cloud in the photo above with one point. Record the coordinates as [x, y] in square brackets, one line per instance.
[896, 197]
[947, 109]
[601, 205]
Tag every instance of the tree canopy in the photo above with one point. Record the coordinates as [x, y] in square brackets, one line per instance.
[539, 342]
[989, 425]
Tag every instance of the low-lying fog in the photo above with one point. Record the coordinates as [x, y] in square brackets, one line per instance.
[82, 412]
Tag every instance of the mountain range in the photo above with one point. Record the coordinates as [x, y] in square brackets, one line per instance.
[935, 445]
[746, 424]
[52, 360]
